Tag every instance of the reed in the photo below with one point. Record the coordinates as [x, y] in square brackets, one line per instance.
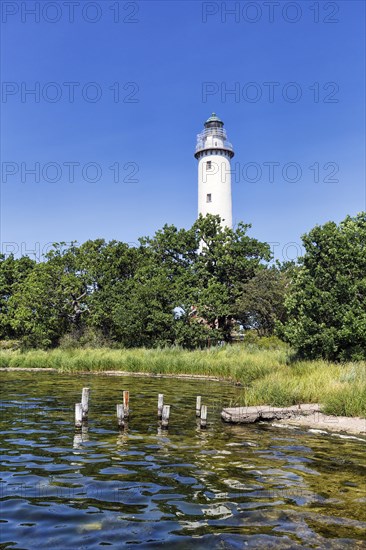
[267, 373]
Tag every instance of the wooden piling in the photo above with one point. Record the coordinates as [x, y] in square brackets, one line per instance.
[198, 405]
[78, 415]
[126, 404]
[120, 416]
[165, 416]
[85, 402]
[203, 421]
[160, 404]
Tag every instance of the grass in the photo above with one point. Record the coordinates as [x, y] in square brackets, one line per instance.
[268, 375]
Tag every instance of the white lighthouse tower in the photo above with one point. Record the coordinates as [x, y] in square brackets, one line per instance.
[214, 153]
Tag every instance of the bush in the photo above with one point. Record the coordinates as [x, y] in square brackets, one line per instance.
[87, 338]
[252, 339]
[9, 344]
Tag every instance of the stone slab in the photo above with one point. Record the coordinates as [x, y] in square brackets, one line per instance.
[249, 415]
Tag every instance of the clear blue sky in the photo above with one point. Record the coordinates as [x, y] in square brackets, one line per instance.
[162, 55]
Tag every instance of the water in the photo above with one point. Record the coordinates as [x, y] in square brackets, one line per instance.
[226, 487]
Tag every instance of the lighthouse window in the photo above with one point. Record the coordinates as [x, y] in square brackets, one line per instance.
[208, 197]
[208, 166]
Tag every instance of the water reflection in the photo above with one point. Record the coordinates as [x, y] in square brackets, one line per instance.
[81, 436]
[122, 439]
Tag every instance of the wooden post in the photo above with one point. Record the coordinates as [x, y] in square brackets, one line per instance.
[160, 404]
[78, 415]
[126, 401]
[85, 402]
[120, 416]
[165, 416]
[203, 421]
[198, 405]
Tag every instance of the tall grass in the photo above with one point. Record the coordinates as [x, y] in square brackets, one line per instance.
[230, 362]
[341, 388]
[268, 376]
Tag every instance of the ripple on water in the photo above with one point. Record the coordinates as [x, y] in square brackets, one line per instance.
[225, 487]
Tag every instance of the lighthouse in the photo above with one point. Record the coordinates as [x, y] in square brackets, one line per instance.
[214, 153]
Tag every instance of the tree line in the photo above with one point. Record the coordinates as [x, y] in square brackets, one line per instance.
[192, 286]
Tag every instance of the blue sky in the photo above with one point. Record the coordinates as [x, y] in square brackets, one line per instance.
[144, 80]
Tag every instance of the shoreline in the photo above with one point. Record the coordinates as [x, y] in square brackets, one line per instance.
[308, 415]
[353, 425]
[119, 373]
[320, 422]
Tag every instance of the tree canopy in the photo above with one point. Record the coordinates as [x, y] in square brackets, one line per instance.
[191, 286]
[131, 295]
[326, 307]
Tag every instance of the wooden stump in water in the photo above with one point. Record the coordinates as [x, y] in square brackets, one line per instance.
[203, 421]
[126, 404]
[160, 404]
[198, 405]
[85, 402]
[120, 416]
[78, 415]
[165, 416]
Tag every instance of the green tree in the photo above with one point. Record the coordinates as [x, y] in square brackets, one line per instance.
[49, 300]
[13, 272]
[131, 295]
[326, 305]
[228, 259]
[108, 270]
[144, 314]
[261, 302]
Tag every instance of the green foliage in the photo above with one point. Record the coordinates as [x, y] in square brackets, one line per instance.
[260, 304]
[130, 296]
[227, 259]
[347, 401]
[192, 287]
[265, 374]
[9, 345]
[326, 305]
[40, 308]
[190, 333]
[339, 387]
[86, 338]
[13, 273]
[252, 339]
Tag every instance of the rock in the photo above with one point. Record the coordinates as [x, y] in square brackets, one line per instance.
[249, 415]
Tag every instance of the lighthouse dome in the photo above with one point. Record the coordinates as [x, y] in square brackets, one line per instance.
[214, 121]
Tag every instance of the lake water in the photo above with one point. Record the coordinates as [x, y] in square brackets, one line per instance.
[226, 487]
